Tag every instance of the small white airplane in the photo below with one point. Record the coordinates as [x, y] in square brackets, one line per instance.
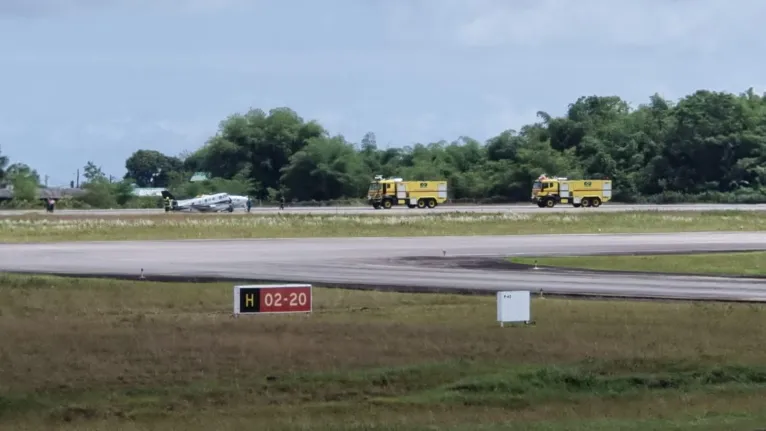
[207, 203]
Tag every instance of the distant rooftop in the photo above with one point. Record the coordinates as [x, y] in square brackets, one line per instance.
[199, 176]
[148, 191]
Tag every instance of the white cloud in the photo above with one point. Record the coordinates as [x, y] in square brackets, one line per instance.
[701, 25]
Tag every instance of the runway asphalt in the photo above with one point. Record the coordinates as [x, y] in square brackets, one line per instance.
[518, 208]
[396, 263]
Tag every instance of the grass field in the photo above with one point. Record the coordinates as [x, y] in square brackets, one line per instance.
[107, 355]
[736, 264]
[183, 226]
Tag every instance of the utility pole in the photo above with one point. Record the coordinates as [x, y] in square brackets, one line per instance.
[46, 181]
[78, 178]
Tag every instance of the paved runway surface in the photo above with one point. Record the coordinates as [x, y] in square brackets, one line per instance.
[519, 208]
[391, 262]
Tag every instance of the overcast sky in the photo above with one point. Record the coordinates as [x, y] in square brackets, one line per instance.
[98, 79]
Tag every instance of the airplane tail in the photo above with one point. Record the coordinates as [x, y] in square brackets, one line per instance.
[167, 194]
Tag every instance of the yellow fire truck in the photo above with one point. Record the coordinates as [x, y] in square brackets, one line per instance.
[386, 193]
[547, 192]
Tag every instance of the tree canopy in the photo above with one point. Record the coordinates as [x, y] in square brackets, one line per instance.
[706, 146]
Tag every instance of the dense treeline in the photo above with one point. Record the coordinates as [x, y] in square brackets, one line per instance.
[709, 146]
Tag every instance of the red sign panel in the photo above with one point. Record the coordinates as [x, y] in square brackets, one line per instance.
[285, 299]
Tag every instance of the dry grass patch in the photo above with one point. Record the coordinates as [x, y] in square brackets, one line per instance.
[103, 353]
[184, 226]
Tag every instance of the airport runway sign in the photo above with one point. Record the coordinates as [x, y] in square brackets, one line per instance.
[273, 298]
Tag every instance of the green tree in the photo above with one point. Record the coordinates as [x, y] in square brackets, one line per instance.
[122, 191]
[327, 168]
[257, 146]
[92, 173]
[100, 193]
[3, 165]
[150, 168]
[25, 182]
[21, 169]
[706, 146]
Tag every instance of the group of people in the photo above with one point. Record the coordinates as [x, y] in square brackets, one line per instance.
[250, 203]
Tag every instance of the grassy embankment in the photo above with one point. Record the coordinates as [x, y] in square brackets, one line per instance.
[178, 226]
[104, 355]
[735, 264]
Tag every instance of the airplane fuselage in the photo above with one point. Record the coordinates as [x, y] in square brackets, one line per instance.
[208, 203]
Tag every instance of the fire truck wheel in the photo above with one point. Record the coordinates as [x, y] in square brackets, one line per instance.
[387, 204]
[550, 203]
[432, 203]
[585, 202]
[421, 203]
[596, 202]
